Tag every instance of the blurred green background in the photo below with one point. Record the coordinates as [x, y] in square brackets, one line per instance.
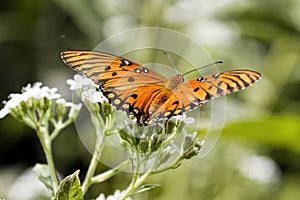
[258, 154]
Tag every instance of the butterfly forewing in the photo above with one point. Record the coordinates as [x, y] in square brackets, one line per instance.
[102, 67]
[127, 85]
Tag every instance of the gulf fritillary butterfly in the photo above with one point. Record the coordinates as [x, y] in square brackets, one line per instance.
[147, 95]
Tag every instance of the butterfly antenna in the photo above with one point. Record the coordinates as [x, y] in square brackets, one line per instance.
[217, 62]
[169, 57]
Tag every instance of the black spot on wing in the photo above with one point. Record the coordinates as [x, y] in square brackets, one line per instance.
[125, 62]
[201, 79]
[196, 89]
[130, 79]
[175, 103]
[114, 74]
[134, 96]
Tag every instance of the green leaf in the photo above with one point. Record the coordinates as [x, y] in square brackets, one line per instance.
[69, 188]
[146, 187]
[43, 173]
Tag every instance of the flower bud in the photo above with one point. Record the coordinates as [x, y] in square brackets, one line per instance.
[191, 152]
[165, 155]
[143, 145]
[61, 107]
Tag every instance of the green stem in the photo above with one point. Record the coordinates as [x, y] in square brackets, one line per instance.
[176, 164]
[106, 175]
[46, 144]
[135, 183]
[59, 126]
[101, 136]
[93, 164]
[138, 180]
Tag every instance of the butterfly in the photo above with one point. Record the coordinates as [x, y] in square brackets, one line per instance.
[147, 95]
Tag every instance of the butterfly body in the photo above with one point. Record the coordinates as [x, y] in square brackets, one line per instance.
[147, 95]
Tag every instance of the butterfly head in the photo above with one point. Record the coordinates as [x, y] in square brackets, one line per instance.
[174, 81]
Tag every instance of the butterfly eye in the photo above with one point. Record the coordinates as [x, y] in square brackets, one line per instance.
[107, 67]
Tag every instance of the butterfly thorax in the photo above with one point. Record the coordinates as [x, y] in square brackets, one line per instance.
[174, 81]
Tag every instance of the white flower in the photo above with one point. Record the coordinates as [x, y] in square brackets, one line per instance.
[36, 91]
[87, 88]
[67, 104]
[183, 118]
[92, 95]
[116, 196]
[80, 82]
[75, 108]
[62, 104]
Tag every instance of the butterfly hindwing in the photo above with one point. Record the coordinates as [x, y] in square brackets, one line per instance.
[213, 86]
[193, 93]
[134, 101]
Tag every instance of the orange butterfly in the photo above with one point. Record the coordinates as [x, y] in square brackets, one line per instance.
[147, 95]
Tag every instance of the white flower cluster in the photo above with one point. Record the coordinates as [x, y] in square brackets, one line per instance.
[37, 92]
[116, 196]
[87, 89]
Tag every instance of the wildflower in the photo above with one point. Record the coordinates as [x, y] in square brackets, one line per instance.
[92, 95]
[80, 82]
[37, 102]
[184, 118]
[61, 107]
[86, 89]
[29, 92]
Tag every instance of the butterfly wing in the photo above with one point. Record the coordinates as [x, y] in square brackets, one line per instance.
[193, 93]
[107, 70]
[141, 92]
[127, 85]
